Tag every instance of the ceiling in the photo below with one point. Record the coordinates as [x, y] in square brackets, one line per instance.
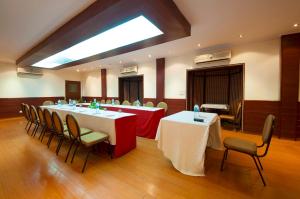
[214, 22]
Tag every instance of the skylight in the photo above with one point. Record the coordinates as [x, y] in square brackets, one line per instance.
[135, 30]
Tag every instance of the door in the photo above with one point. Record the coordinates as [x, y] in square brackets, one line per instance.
[72, 90]
[131, 88]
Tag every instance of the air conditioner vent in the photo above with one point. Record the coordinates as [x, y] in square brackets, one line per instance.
[222, 55]
[29, 71]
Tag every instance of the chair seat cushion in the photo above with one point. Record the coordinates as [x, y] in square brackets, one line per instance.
[240, 145]
[227, 117]
[93, 138]
[83, 131]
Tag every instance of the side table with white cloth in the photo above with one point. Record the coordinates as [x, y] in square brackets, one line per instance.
[184, 141]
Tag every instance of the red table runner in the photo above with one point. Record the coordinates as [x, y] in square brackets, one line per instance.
[146, 121]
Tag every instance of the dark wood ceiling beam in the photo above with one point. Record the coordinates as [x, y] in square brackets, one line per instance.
[103, 15]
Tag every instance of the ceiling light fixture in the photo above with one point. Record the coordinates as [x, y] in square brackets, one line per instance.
[241, 36]
[135, 30]
[78, 70]
[296, 25]
[149, 55]
[198, 45]
[120, 62]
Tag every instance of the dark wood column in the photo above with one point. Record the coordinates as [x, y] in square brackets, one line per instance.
[103, 84]
[160, 79]
[290, 56]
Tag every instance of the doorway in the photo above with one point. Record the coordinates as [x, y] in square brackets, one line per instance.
[217, 85]
[72, 90]
[131, 88]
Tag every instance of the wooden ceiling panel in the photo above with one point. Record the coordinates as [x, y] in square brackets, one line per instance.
[105, 14]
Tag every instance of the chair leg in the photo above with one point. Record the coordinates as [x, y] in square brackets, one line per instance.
[42, 132]
[38, 126]
[224, 156]
[75, 152]
[29, 127]
[86, 159]
[69, 150]
[262, 178]
[260, 163]
[50, 139]
[33, 130]
[27, 124]
[59, 145]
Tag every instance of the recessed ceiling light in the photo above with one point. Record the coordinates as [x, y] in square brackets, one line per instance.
[78, 70]
[149, 55]
[296, 25]
[241, 36]
[135, 30]
[198, 45]
[120, 62]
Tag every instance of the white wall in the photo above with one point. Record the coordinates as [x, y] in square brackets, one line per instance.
[262, 70]
[91, 84]
[262, 73]
[148, 70]
[52, 83]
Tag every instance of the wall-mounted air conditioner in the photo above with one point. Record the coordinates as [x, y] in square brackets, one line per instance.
[216, 56]
[29, 71]
[129, 69]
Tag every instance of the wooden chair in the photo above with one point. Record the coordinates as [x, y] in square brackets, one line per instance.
[234, 119]
[126, 102]
[102, 101]
[49, 126]
[26, 114]
[149, 104]
[34, 120]
[48, 102]
[249, 147]
[117, 102]
[60, 129]
[88, 140]
[163, 105]
[108, 101]
[41, 121]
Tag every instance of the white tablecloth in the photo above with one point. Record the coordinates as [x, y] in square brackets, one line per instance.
[216, 106]
[184, 141]
[144, 108]
[103, 121]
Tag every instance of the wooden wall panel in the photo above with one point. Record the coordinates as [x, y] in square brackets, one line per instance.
[255, 112]
[10, 107]
[160, 79]
[290, 61]
[175, 105]
[103, 83]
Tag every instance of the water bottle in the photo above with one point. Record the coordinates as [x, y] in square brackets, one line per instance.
[113, 101]
[59, 102]
[70, 101]
[97, 107]
[196, 111]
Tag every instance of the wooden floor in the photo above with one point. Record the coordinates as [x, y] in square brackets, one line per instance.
[28, 169]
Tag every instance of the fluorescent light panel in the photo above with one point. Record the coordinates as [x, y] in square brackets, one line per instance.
[135, 30]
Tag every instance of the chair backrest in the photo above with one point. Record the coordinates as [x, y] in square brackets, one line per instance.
[48, 102]
[238, 114]
[149, 104]
[73, 126]
[23, 109]
[126, 102]
[27, 112]
[268, 128]
[108, 101]
[33, 114]
[117, 102]
[102, 101]
[48, 119]
[163, 105]
[63, 102]
[40, 115]
[57, 123]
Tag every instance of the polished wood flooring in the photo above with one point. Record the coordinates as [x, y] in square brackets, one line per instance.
[28, 169]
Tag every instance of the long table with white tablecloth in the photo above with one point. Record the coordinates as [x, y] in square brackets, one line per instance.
[120, 126]
[183, 140]
[147, 117]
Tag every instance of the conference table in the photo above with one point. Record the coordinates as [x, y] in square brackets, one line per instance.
[184, 141]
[119, 126]
[147, 117]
